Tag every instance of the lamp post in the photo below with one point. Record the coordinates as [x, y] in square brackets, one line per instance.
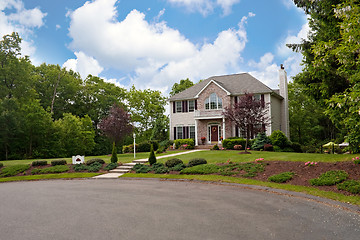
[134, 146]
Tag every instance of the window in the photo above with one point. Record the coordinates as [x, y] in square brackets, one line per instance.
[192, 132]
[257, 97]
[191, 105]
[179, 132]
[179, 106]
[213, 102]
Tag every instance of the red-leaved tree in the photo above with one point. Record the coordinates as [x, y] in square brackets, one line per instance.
[116, 125]
[248, 113]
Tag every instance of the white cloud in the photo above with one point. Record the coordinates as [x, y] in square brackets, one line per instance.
[23, 21]
[84, 65]
[205, 6]
[157, 54]
[58, 26]
[283, 50]
[266, 70]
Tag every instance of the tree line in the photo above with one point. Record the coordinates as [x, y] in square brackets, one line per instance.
[48, 111]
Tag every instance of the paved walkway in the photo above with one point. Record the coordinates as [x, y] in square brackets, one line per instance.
[126, 167]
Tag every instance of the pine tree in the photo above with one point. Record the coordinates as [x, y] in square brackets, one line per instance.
[152, 158]
[114, 157]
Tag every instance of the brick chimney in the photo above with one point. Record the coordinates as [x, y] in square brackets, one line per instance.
[285, 128]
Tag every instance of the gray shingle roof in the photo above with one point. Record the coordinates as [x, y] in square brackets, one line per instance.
[236, 84]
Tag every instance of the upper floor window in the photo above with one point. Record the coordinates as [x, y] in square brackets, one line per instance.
[191, 105]
[178, 106]
[213, 102]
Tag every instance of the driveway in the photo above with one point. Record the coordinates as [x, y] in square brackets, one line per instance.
[152, 209]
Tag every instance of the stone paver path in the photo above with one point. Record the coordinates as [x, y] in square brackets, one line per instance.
[126, 167]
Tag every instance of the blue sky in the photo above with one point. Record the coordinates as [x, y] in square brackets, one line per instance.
[155, 43]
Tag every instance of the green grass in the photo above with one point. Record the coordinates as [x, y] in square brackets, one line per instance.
[224, 156]
[216, 178]
[49, 176]
[124, 158]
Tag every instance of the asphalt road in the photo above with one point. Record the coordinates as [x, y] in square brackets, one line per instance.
[152, 209]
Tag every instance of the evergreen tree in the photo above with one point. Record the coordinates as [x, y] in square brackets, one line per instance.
[152, 158]
[114, 157]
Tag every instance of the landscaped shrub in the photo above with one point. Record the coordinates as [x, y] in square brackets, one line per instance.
[161, 170]
[130, 148]
[330, 178]
[95, 167]
[114, 157]
[189, 142]
[282, 177]
[110, 166]
[13, 170]
[296, 147]
[173, 162]
[252, 169]
[137, 166]
[54, 169]
[178, 167]
[356, 160]
[166, 143]
[260, 140]
[58, 162]
[94, 160]
[201, 169]
[144, 147]
[278, 138]
[230, 143]
[142, 168]
[38, 163]
[152, 158]
[351, 186]
[196, 161]
[80, 167]
[268, 147]
[215, 147]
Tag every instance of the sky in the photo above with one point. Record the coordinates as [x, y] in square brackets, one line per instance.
[156, 43]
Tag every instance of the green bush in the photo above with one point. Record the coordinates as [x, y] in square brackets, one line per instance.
[178, 167]
[152, 158]
[268, 147]
[330, 178]
[142, 168]
[229, 143]
[114, 157]
[110, 166]
[278, 138]
[94, 160]
[166, 143]
[252, 169]
[282, 177]
[260, 140]
[144, 147]
[95, 167]
[161, 149]
[189, 142]
[201, 169]
[196, 161]
[161, 170]
[296, 147]
[58, 162]
[137, 166]
[39, 163]
[13, 170]
[1, 165]
[173, 162]
[54, 169]
[80, 167]
[130, 148]
[351, 186]
[215, 147]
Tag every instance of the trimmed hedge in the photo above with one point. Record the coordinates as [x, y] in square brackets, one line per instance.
[173, 162]
[54, 169]
[201, 169]
[189, 142]
[39, 163]
[229, 143]
[94, 160]
[110, 166]
[196, 161]
[58, 162]
[141, 147]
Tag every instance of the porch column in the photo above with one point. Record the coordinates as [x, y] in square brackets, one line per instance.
[223, 128]
[196, 132]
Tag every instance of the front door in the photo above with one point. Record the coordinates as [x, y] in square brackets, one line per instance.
[214, 133]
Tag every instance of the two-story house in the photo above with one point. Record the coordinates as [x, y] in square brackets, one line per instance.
[197, 112]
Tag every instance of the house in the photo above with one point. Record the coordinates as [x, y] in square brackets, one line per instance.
[197, 112]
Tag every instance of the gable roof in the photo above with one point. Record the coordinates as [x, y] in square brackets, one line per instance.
[235, 84]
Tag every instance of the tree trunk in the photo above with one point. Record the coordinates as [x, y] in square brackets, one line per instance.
[53, 99]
